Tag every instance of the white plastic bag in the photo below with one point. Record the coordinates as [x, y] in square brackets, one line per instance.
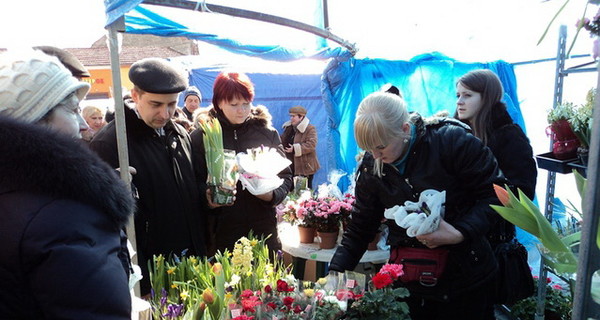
[420, 217]
[259, 168]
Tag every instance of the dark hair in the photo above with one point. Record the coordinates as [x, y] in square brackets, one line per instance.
[488, 85]
[231, 85]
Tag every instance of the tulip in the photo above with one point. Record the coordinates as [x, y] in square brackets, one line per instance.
[217, 268]
[502, 195]
[208, 296]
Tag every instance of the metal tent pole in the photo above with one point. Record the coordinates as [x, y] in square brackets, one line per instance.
[253, 15]
[115, 66]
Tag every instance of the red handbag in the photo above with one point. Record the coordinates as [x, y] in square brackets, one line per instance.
[423, 265]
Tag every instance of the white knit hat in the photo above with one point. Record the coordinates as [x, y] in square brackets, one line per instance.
[32, 83]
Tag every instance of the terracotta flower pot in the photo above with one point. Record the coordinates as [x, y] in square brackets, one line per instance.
[328, 239]
[307, 234]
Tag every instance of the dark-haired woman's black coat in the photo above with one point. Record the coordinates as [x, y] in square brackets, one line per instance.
[445, 156]
[62, 252]
[514, 154]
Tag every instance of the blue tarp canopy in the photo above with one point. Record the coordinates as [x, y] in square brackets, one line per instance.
[331, 97]
[139, 19]
[427, 83]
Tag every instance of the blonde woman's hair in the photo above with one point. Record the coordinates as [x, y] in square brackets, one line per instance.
[90, 110]
[379, 120]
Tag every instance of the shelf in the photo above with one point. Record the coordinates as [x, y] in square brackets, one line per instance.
[549, 162]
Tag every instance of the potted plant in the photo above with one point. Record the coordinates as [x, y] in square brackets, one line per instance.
[565, 141]
[581, 123]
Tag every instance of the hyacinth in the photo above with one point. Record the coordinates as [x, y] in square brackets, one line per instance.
[242, 256]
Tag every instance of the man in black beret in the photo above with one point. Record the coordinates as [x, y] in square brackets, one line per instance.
[169, 218]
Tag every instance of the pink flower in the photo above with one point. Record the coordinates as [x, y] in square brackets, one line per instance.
[395, 270]
[557, 287]
[247, 293]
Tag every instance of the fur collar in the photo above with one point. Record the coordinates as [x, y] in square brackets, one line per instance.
[259, 115]
[38, 160]
[301, 126]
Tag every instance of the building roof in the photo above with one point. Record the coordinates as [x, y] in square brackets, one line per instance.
[100, 56]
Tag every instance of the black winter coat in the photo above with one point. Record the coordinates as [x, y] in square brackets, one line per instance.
[62, 254]
[168, 217]
[444, 157]
[229, 223]
[514, 154]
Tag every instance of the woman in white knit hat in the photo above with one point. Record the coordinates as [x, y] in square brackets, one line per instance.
[37, 88]
[63, 253]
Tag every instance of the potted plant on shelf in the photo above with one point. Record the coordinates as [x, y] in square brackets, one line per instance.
[565, 141]
[581, 123]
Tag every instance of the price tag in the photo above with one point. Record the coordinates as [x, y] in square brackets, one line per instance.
[350, 283]
[236, 313]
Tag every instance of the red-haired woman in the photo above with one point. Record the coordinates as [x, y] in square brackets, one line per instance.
[244, 127]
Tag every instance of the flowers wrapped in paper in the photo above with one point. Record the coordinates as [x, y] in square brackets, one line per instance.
[221, 163]
[259, 169]
[420, 217]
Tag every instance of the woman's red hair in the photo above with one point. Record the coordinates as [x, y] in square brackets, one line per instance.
[231, 85]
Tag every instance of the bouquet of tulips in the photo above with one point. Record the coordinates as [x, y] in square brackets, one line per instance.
[220, 162]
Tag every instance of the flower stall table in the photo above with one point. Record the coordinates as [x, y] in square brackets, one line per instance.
[301, 252]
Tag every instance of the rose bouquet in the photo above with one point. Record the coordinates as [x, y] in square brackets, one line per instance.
[259, 169]
[420, 217]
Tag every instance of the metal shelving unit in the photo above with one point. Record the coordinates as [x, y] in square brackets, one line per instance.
[589, 255]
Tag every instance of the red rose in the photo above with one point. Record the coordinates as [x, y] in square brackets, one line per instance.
[297, 309]
[288, 301]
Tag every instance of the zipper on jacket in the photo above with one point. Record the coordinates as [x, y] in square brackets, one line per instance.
[235, 134]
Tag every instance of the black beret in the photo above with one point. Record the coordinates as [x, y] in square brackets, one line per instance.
[157, 76]
[67, 59]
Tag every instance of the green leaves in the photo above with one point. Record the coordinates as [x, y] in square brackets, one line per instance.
[523, 213]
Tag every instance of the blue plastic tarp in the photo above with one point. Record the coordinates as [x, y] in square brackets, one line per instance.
[139, 19]
[427, 83]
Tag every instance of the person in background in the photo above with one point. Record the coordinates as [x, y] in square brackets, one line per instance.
[479, 104]
[63, 252]
[68, 59]
[94, 117]
[181, 119]
[244, 127]
[191, 102]
[404, 157]
[169, 218]
[299, 140]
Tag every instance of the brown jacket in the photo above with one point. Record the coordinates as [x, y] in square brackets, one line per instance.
[305, 143]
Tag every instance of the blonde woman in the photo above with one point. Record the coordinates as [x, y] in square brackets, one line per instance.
[404, 157]
[94, 117]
